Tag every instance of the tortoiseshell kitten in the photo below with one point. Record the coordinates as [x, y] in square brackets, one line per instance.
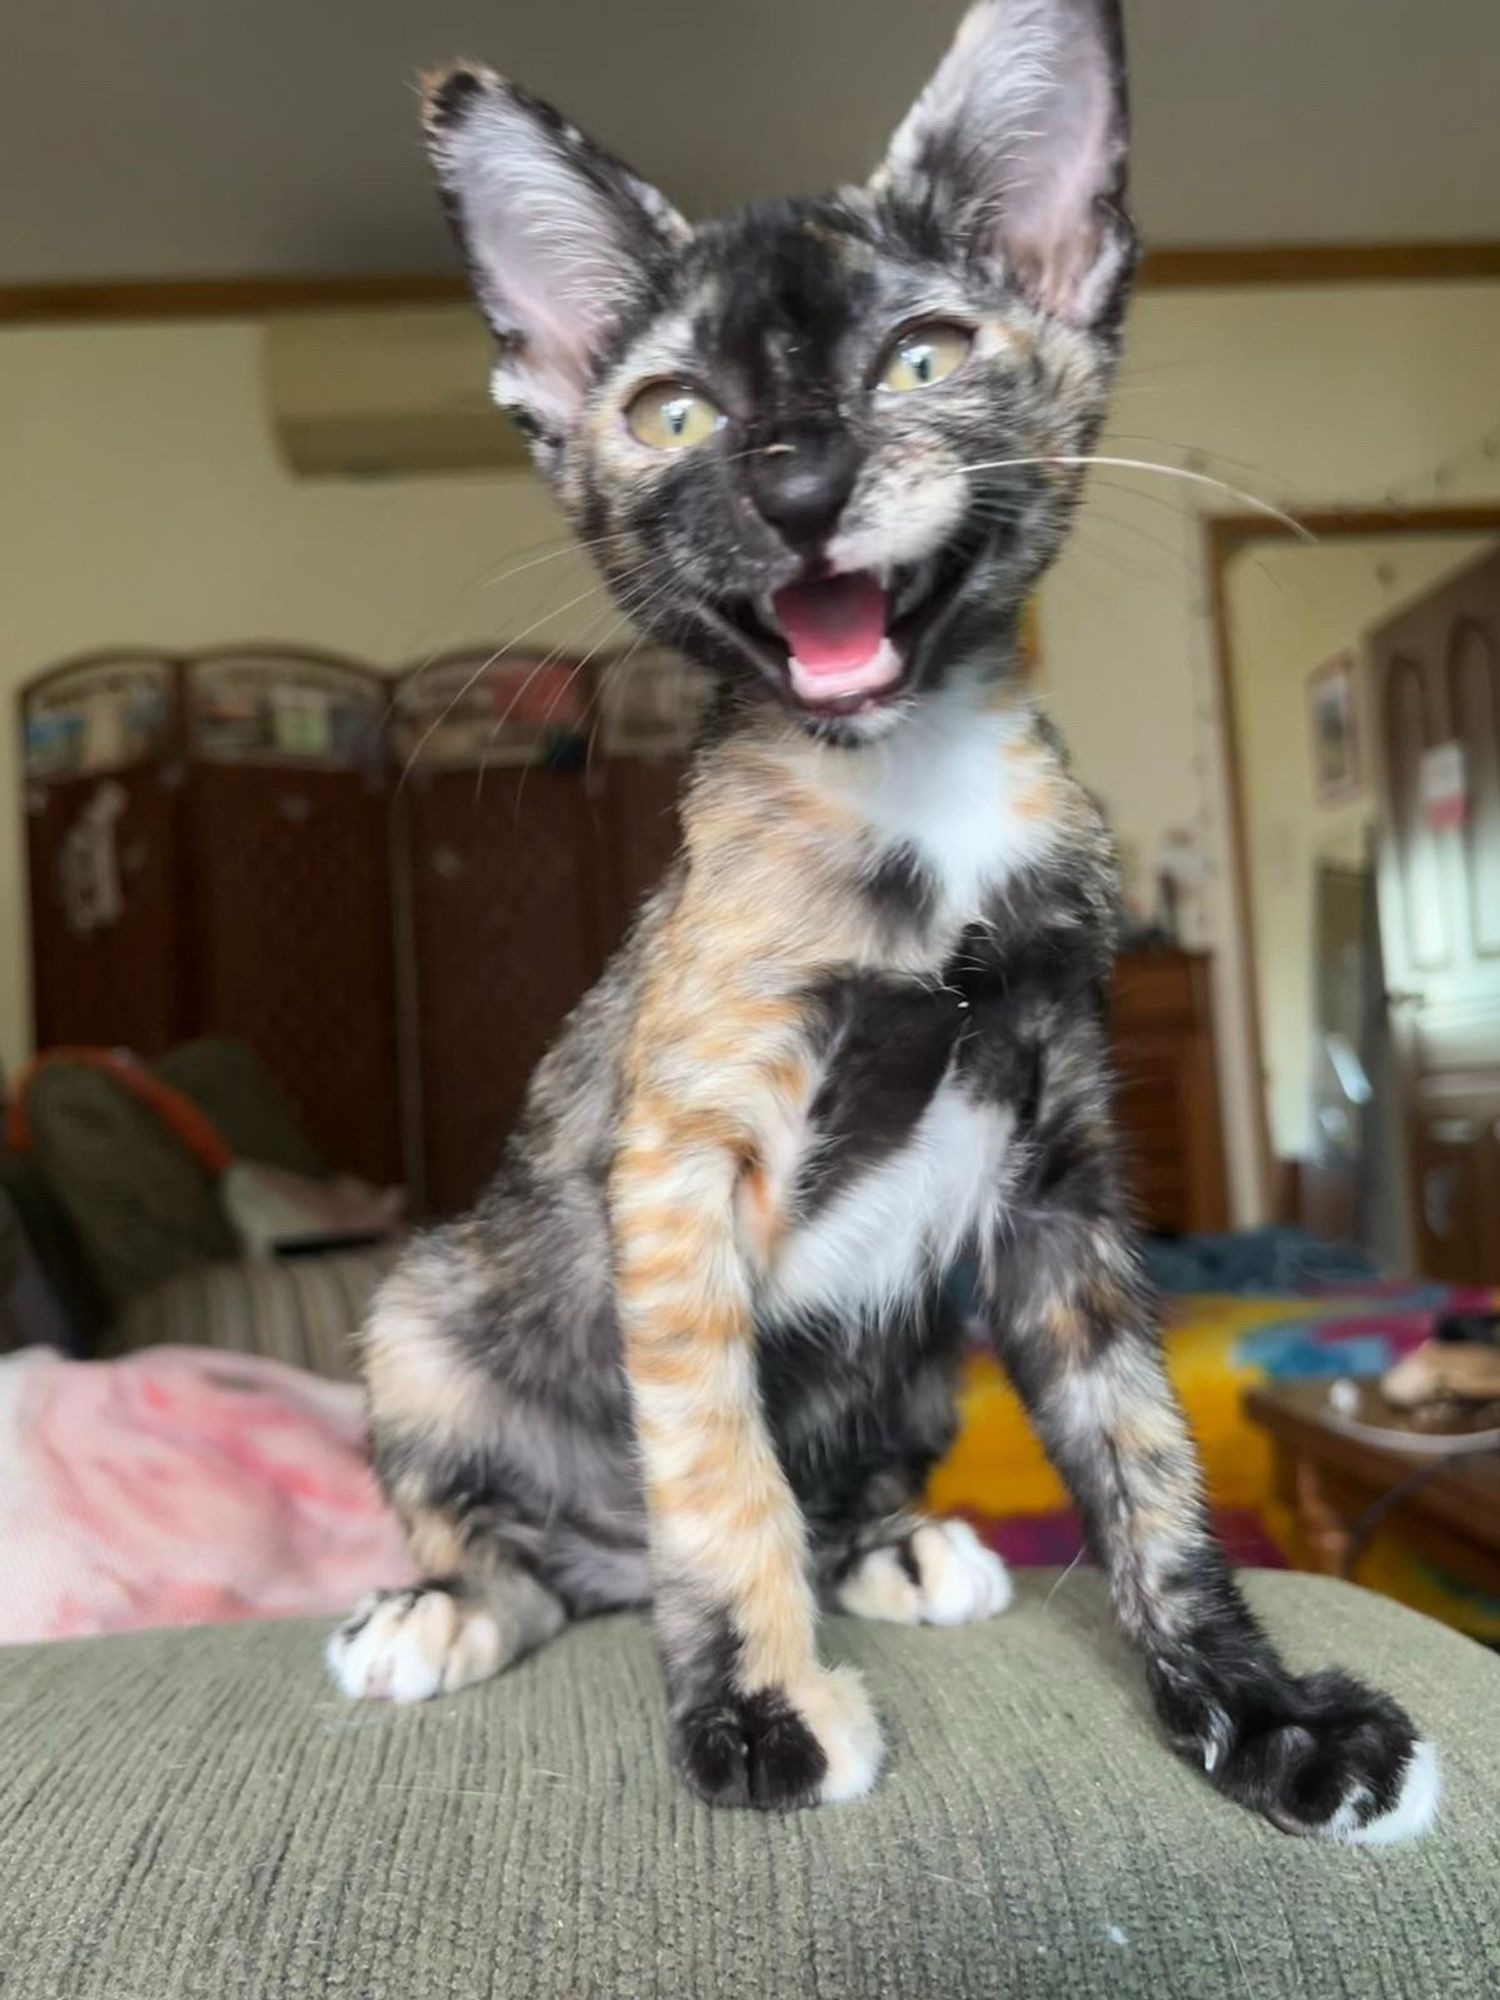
[691, 1350]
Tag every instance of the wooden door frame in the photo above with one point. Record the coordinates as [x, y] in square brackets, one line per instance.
[1224, 537]
[255, 295]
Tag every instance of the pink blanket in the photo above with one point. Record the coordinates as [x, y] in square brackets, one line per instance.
[181, 1487]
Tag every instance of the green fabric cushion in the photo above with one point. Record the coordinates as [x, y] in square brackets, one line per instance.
[54, 1243]
[248, 1109]
[195, 1813]
[141, 1206]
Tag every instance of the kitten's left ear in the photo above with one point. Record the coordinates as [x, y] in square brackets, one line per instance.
[1017, 148]
[559, 236]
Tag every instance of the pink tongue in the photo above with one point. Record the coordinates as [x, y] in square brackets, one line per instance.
[833, 625]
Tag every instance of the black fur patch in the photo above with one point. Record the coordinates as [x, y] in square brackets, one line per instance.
[902, 891]
[749, 1750]
[911, 1569]
[889, 1041]
[860, 1441]
[451, 96]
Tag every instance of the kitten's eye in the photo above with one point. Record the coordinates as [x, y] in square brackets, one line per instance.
[669, 416]
[924, 355]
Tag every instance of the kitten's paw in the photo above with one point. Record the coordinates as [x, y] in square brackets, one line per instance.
[777, 1750]
[942, 1574]
[1343, 1763]
[408, 1645]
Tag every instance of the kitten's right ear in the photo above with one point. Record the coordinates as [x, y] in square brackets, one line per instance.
[1016, 151]
[558, 235]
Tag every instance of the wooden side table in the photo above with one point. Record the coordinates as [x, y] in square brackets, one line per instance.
[1331, 1477]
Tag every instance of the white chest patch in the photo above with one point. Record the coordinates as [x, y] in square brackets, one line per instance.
[956, 785]
[878, 1240]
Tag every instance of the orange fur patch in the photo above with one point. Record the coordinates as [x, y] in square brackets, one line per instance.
[435, 1542]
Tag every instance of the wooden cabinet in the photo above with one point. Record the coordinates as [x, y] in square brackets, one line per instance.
[1455, 1169]
[1168, 1101]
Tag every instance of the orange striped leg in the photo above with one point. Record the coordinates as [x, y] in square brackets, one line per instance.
[755, 1719]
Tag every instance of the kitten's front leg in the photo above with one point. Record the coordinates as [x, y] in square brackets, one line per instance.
[1317, 1753]
[755, 1720]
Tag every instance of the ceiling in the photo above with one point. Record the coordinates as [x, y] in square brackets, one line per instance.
[233, 137]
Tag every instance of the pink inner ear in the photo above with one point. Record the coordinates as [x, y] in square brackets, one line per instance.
[558, 333]
[1050, 219]
[554, 253]
[552, 263]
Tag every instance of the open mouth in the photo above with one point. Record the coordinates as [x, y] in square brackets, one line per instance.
[847, 643]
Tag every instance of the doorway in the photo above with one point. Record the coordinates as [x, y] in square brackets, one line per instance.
[1360, 684]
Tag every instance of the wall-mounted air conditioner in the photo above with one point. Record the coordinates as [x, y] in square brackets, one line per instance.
[375, 392]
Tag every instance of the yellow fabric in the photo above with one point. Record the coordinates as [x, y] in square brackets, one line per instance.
[998, 1468]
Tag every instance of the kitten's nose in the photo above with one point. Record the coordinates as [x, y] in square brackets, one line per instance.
[800, 484]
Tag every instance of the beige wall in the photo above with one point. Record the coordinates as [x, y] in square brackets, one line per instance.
[140, 501]
[1291, 609]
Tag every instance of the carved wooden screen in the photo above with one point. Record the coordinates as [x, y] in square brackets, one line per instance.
[102, 778]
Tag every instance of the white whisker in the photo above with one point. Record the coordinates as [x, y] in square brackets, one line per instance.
[538, 667]
[628, 611]
[507, 646]
[1191, 451]
[1149, 465]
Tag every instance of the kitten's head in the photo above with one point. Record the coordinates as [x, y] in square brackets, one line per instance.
[785, 426]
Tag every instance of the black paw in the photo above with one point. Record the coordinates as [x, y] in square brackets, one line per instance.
[1325, 1755]
[749, 1750]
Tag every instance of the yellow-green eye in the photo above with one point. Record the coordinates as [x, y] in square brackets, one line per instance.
[924, 355]
[669, 416]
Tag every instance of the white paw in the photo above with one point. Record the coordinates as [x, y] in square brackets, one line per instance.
[837, 1710]
[408, 1645]
[957, 1579]
[1414, 1812]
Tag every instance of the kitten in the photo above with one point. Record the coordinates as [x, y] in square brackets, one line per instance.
[691, 1349]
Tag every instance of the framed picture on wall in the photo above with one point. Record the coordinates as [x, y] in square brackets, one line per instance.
[1333, 715]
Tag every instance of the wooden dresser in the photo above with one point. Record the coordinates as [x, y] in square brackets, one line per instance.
[1168, 1106]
